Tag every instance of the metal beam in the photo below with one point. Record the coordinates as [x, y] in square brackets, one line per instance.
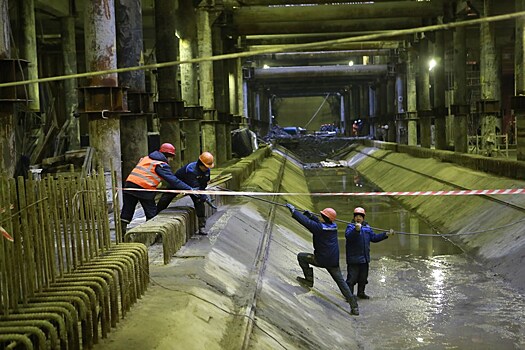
[300, 26]
[312, 72]
[366, 45]
[299, 38]
[291, 2]
[261, 14]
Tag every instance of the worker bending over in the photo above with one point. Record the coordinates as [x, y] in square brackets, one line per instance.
[196, 175]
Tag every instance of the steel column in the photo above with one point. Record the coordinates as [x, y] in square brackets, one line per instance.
[133, 126]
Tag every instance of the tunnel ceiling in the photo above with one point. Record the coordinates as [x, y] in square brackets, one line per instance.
[250, 25]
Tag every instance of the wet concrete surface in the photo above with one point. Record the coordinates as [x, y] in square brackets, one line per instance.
[426, 293]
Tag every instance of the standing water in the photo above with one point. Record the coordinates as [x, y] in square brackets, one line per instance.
[425, 292]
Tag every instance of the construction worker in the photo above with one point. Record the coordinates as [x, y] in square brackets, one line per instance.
[326, 251]
[147, 175]
[196, 175]
[358, 237]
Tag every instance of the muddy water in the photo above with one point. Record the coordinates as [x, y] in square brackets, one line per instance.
[426, 293]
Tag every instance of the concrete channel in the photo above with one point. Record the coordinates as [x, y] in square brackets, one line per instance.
[456, 292]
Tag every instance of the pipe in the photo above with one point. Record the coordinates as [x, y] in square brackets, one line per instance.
[258, 14]
[334, 26]
[322, 55]
[320, 71]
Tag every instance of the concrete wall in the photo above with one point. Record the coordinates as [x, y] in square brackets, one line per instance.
[501, 245]
[503, 167]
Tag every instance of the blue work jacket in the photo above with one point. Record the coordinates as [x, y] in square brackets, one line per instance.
[326, 247]
[358, 243]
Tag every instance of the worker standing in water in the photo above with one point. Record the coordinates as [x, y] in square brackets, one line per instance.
[358, 237]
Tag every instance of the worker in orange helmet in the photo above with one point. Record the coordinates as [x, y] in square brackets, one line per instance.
[326, 251]
[147, 175]
[196, 175]
[358, 237]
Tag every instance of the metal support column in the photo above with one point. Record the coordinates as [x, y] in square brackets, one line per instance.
[440, 111]
[102, 100]
[133, 126]
[69, 54]
[29, 50]
[411, 97]
[489, 107]
[423, 96]
[460, 109]
[519, 99]
[206, 92]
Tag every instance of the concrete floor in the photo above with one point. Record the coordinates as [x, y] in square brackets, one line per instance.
[426, 292]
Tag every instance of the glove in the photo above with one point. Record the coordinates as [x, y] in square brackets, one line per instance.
[391, 232]
[291, 207]
[358, 227]
[308, 214]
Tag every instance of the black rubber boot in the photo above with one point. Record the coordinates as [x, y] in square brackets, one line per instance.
[308, 279]
[361, 292]
[202, 226]
[305, 282]
[123, 227]
[354, 308]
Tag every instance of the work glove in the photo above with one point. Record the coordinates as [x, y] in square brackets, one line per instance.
[308, 214]
[358, 227]
[390, 232]
[291, 207]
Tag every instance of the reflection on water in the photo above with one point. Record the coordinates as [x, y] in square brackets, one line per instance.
[425, 293]
[382, 213]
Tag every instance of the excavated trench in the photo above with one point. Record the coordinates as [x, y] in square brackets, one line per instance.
[427, 292]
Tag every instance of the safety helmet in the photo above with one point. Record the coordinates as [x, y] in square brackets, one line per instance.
[329, 213]
[360, 211]
[206, 158]
[167, 148]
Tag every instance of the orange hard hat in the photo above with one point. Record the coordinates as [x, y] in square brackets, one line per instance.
[206, 158]
[167, 148]
[360, 211]
[329, 213]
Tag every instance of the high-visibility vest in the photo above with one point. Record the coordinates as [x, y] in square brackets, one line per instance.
[144, 173]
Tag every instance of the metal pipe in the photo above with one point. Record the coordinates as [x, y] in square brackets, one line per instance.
[258, 14]
[320, 71]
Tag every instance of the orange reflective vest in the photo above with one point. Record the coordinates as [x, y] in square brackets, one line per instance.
[144, 173]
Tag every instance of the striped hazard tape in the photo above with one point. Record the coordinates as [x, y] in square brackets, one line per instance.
[508, 191]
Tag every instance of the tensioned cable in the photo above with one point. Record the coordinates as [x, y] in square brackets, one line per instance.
[401, 232]
[333, 42]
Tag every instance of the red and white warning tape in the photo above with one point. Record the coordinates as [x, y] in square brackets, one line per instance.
[391, 193]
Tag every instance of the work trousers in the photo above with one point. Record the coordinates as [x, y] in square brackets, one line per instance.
[357, 273]
[130, 201]
[307, 259]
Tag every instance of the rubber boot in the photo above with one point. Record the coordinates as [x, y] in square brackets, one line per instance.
[361, 292]
[308, 280]
[123, 227]
[354, 308]
[202, 226]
